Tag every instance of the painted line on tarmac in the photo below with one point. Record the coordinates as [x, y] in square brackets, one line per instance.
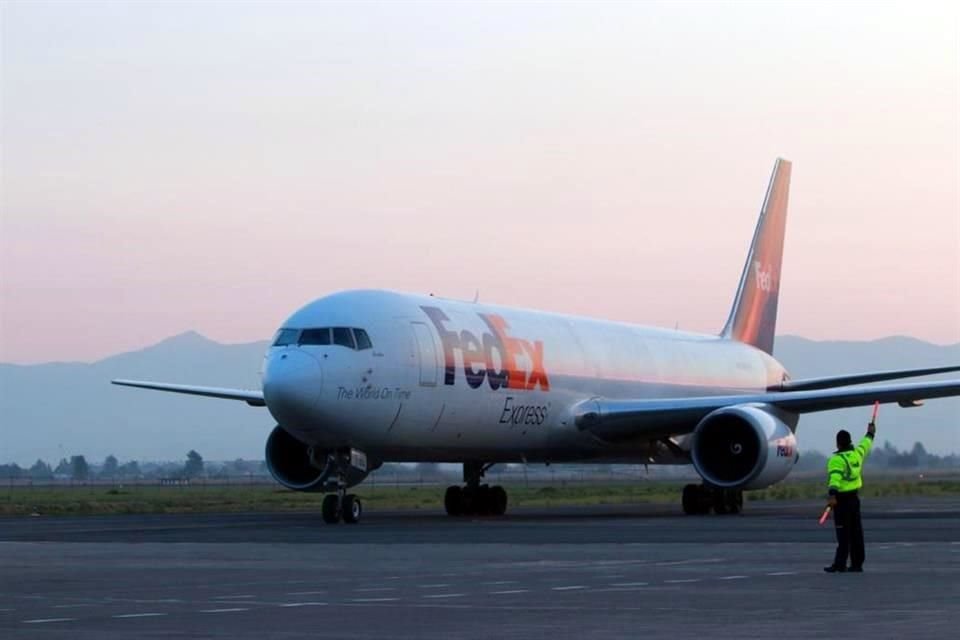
[783, 573]
[677, 563]
[370, 589]
[72, 606]
[139, 615]
[241, 597]
[228, 610]
[439, 585]
[572, 587]
[682, 581]
[304, 604]
[732, 578]
[46, 620]
[629, 584]
[305, 593]
[508, 592]
[374, 599]
[444, 595]
[496, 582]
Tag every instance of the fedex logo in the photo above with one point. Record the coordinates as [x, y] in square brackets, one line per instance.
[764, 279]
[518, 364]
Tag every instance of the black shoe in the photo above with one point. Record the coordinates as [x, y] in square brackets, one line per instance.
[855, 569]
[835, 569]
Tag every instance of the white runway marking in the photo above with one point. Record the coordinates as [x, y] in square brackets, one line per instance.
[304, 604]
[509, 592]
[732, 578]
[368, 589]
[138, 615]
[445, 595]
[434, 586]
[1, 610]
[569, 588]
[305, 593]
[629, 584]
[495, 582]
[233, 597]
[374, 599]
[783, 573]
[682, 581]
[72, 606]
[694, 561]
[229, 610]
[46, 620]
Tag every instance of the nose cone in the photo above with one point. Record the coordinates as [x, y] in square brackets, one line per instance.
[291, 387]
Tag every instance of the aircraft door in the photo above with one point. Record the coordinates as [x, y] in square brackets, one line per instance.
[427, 352]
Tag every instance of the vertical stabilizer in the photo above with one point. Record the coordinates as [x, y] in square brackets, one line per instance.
[753, 318]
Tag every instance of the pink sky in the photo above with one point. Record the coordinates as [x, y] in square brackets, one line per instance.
[170, 167]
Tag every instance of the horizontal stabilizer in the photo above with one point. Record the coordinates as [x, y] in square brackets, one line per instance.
[810, 384]
[253, 398]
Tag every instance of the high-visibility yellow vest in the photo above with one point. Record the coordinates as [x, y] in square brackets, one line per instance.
[845, 468]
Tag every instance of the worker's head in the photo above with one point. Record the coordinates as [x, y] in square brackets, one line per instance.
[843, 439]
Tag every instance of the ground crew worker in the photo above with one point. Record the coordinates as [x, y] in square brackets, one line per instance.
[844, 477]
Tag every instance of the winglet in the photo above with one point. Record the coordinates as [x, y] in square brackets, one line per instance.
[753, 318]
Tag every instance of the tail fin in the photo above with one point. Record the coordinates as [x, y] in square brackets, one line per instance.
[753, 318]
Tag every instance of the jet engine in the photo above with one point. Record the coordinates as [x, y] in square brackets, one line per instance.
[302, 467]
[745, 447]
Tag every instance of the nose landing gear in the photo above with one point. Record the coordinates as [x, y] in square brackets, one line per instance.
[343, 505]
[475, 498]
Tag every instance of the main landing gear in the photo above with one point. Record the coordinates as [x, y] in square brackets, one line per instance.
[475, 499]
[699, 499]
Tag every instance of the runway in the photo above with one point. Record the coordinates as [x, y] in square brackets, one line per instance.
[589, 572]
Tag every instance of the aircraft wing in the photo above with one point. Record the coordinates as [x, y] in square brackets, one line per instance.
[857, 378]
[251, 397]
[655, 418]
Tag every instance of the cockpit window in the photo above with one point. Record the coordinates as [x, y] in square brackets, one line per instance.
[363, 340]
[285, 337]
[315, 336]
[343, 337]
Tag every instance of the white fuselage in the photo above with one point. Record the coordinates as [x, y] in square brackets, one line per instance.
[448, 380]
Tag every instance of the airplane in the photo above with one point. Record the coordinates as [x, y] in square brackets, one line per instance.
[363, 377]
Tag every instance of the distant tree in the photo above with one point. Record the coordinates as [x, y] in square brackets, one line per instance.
[920, 453]
[194, 466]
[64, 468]
[79, 469]
[10, 471]
[129, 470]
[41, 470]
[110, 467]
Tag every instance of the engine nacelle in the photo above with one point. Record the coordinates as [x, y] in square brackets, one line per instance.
[302, 467]
[744, 447]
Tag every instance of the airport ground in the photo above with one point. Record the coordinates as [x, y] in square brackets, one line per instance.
[608, 571]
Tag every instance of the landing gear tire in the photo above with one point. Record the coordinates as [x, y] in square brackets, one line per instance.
[331, 509]
[453, 501]
[352, 509]
[693, 500]
[483, 500]
[719, 500]
[699, 500]
[498, 500]
[734, 501]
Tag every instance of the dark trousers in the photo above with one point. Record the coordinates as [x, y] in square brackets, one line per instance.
[846, 518]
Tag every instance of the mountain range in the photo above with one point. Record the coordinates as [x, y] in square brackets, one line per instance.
[56, 410]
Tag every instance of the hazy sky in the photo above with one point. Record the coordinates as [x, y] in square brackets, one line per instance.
[213, 166]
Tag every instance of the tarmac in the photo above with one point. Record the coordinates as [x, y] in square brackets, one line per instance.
[584, 572]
